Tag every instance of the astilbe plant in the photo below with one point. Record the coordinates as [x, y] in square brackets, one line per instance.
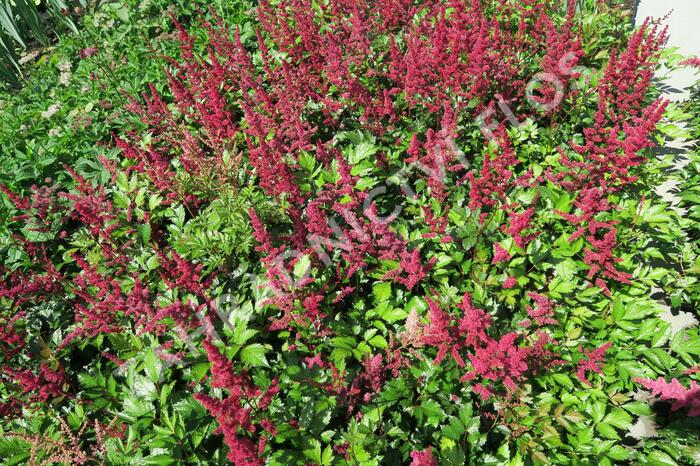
[673, 391]
[69, 448]
[103, 289]
[411, 80]
[606, 157]
[236, 413]
[423, 458]
[452, 58]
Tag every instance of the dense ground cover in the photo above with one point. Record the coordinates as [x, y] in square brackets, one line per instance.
[373, 232]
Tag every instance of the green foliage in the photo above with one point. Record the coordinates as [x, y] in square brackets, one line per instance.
[68, 110]
[25, 24]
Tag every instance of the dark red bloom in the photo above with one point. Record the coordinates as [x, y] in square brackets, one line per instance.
[591, 361]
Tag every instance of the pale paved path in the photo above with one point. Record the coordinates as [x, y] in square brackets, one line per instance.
[684, 33]
[684, 30]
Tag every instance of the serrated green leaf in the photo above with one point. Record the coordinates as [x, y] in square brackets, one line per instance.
[254, 355]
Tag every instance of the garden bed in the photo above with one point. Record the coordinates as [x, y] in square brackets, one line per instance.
[374, 232]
